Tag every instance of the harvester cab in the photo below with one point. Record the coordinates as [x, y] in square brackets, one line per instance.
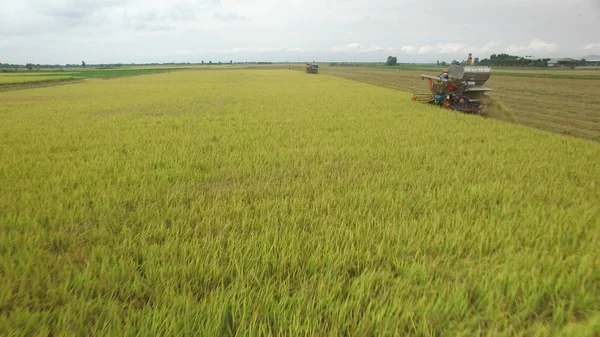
[312, 68]
[461, 89]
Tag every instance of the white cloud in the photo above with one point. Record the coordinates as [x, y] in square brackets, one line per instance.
[242, 50]
[299, 49]
[347, 47]
[230, 17]
[592, 47]
[535, 46]
[440, 48]
[451, 48]
[179, 53]
[425, 50]
[246, 50]
[409, 49]
[358, 48]
[413, 49]
[491, 47]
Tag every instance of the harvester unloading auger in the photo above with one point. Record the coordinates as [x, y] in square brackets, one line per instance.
[460, 88]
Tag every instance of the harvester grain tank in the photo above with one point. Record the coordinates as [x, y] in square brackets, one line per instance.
[461, 88]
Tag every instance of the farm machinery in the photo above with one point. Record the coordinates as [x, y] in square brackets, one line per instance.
[459, 88]
[312, 68]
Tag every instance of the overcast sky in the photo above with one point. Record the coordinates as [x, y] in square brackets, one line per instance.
[111, 31]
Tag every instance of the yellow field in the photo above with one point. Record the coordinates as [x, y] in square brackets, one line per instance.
[272, 202]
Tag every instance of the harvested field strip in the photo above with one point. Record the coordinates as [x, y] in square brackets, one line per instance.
[559, 128]
[584, 121]
[571, 110]
[539, 95]
[577, 124]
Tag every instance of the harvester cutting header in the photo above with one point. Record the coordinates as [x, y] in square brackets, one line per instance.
[459, 88]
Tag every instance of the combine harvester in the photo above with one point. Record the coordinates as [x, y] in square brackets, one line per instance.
[312, 68]
[460, 88]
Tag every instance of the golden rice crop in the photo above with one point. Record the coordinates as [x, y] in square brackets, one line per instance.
[268, 202]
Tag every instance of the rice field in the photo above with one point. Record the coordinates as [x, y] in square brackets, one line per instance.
[272, 202]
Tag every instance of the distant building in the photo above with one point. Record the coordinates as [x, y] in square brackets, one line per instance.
[593, 62]
[564, 62]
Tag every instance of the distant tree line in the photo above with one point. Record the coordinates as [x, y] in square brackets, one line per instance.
[495, 60]
[513, 61]
[8, 67]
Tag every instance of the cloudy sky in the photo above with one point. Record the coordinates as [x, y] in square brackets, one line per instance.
[111, 31]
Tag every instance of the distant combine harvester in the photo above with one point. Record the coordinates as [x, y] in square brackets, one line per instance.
[312, 68]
